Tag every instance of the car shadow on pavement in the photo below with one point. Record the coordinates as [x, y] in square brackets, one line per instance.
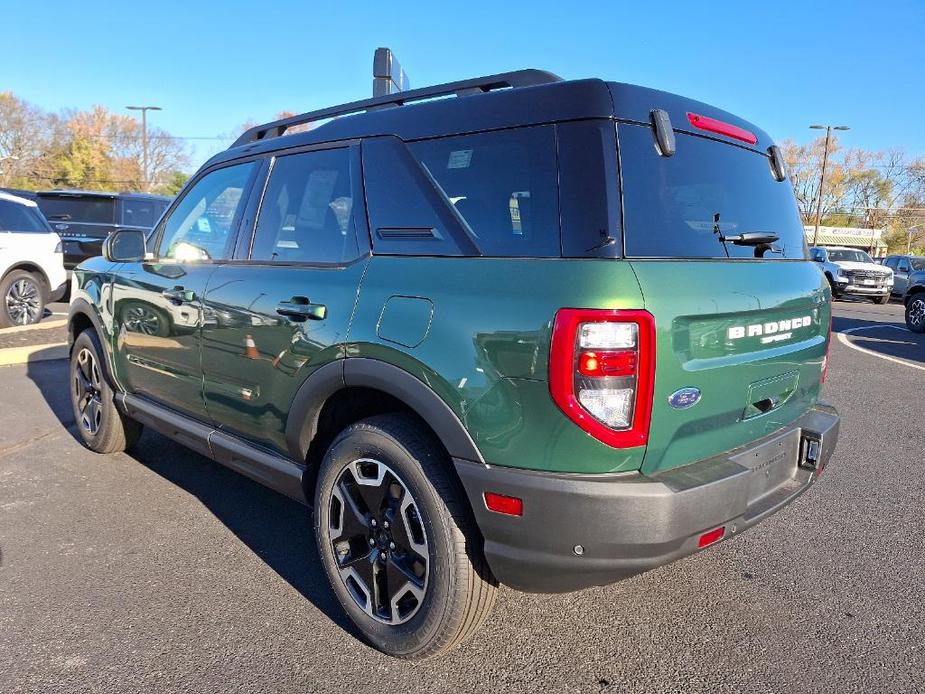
[888, 339]
[274, 527]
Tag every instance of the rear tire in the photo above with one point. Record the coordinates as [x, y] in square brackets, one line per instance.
[22, 299]
[915, 313]
[103, 428]
[390, 511]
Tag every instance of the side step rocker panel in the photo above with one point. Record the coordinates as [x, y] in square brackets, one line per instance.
[273, 471]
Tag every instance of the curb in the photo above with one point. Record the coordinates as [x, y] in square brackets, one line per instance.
[36, 326]
[33, 353]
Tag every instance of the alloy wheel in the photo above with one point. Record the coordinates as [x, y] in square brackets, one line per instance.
[916, 313]
[379, 542]
[23, 302]
[87, 392]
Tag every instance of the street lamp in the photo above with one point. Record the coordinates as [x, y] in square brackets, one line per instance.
[825, 158]
[909, 237]
[144, 137]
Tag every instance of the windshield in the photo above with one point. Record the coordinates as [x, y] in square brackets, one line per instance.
[917, 263]
[683, 206]
[837, 255]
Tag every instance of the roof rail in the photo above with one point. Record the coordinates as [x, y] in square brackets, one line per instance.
[520, 78]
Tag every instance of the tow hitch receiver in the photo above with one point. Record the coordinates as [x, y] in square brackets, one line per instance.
[810, 454]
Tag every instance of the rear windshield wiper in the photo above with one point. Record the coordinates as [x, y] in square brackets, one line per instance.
[750, 238]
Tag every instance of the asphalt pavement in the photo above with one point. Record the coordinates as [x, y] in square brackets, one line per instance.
[162, 571]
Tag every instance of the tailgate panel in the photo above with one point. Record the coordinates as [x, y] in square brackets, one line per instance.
[751, 336]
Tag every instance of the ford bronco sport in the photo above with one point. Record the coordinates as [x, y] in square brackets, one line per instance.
[545, 333]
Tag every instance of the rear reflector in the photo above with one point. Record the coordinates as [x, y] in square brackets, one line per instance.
[717, 126]
[508, 505]
[711, 536]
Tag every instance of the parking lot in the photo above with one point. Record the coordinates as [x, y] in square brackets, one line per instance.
[163, 571]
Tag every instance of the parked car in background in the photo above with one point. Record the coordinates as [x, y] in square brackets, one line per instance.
[903, 266]
[31, 265]
[852, 272]
[84, 218]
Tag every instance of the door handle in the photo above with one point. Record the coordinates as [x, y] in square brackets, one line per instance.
[299, 308]
[179, 295]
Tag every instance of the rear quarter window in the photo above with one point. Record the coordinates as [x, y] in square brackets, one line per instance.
[20, 218]
[679, 206]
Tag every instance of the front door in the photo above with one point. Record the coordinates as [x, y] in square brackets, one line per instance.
[284, 309]
[157, 304]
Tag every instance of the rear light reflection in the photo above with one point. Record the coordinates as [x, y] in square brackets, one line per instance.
[711, 536]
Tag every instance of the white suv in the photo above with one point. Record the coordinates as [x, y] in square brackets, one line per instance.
[852, 272]
[31, 262]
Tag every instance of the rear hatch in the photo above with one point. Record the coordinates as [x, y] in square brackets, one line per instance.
[747, 334]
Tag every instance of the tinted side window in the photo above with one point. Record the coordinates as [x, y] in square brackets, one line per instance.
[16, 217]
[201, 226]
[503, 185]
[140, 213]
[680, 206]
[891, 262]
[70, 208]
[307, 210]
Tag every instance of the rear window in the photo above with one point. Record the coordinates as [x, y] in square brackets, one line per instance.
[503, 184]
[17, 217]
[680, 206]
[90, 210]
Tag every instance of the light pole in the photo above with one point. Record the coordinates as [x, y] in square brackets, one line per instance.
[825, 158]
[909, 237]
[144, 138]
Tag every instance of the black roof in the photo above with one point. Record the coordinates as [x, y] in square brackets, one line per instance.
[535, 97]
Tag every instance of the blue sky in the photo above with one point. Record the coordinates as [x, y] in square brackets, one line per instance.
[213, 66]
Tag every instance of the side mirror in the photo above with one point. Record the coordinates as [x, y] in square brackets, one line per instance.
[124, 246]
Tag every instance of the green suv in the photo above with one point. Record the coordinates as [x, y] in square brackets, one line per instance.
[538, 332]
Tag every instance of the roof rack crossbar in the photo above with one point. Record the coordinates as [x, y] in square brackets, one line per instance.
[520, 78]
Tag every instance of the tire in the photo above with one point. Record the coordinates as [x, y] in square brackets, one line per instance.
[882, 299]
[915, 313]
[103, 428]
[392, 462]
[22, 299]
[835, 293]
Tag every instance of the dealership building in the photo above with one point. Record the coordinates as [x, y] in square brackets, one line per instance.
[870, 240]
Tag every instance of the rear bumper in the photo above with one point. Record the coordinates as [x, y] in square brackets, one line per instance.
[628, 523]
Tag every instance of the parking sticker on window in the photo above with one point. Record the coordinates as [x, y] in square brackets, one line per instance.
[459, 159]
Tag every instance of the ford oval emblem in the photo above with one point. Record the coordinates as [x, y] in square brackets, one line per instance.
[684, 397]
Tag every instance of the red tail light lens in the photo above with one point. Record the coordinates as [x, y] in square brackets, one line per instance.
[719, 127]
[602, 371]
[711, 536]
[501, 503]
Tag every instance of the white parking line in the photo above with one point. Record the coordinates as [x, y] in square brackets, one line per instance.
[843, 338]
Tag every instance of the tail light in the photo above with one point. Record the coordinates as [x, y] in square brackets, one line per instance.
[602, 371]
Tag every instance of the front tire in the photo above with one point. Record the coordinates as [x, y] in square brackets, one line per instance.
[103, 428]
[22, 299]
[915, 313]
[885, 299]
[397, 539]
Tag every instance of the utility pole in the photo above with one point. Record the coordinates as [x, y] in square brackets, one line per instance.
[825, 158]
[144, 139]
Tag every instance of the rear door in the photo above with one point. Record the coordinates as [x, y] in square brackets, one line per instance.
[282, 310]
[749, 333]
